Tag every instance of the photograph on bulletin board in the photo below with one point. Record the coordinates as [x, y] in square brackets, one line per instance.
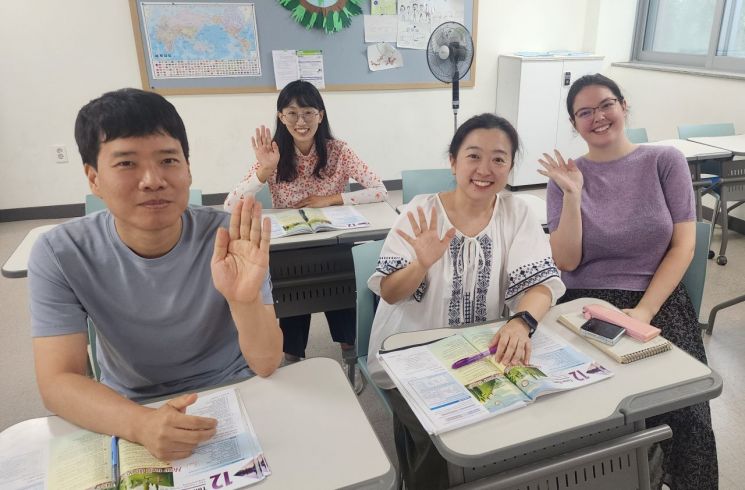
[234, 46]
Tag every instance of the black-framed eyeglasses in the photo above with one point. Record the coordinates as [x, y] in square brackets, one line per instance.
[293, 116]
[604, 107]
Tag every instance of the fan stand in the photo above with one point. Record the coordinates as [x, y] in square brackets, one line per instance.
[456, 100]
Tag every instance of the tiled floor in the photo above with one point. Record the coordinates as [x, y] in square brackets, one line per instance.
[725, 348]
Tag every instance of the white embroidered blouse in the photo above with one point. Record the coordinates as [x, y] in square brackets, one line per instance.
[473, 281]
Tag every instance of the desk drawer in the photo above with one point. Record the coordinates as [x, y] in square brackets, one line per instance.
[311, 280]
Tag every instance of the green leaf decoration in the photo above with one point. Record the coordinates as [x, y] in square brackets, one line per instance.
[333, 18]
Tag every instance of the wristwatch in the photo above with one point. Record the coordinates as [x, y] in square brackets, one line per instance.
[528, 319]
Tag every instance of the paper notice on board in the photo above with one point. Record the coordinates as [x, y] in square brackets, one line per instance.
[310, 67]
[380, 28]
[291, 65]
[285, 67]
[383, 56]
[383, 7]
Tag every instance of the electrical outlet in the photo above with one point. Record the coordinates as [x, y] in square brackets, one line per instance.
[60, 154]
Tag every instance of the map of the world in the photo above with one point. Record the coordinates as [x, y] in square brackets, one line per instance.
[196, 40]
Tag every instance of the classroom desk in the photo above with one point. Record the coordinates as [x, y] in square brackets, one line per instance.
[314, 272]
[307, 419]
[735, 144]
[17, 264]
[593, 437]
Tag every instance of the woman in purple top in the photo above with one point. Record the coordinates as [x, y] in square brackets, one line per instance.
[622, 224]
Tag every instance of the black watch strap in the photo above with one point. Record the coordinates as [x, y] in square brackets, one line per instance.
[529, 321]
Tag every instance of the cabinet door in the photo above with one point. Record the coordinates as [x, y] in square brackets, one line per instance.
[568, 141]
[536, 119]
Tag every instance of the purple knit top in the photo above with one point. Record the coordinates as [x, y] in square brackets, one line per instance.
[628, 209]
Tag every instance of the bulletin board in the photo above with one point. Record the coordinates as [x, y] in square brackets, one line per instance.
[344, 55]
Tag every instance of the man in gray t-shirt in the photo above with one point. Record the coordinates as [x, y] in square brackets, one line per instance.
[178, 303]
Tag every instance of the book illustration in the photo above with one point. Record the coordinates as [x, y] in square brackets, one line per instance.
[233, 457]
[313, 220]
[445, 398]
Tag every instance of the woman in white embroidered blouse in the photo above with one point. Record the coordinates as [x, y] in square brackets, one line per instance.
[459, 257]
[304, 166]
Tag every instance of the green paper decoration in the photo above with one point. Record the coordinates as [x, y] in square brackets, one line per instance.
[329, 15]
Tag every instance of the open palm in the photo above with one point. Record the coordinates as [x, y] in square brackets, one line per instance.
[266, 150]
[426, 242]
[241, 257]
[565, 174]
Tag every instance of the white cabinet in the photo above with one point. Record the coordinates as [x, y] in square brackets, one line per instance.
[531, 94]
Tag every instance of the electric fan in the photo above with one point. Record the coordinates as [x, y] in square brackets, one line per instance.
[449, 57]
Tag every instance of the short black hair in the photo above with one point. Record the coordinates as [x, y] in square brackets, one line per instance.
[485, 121]
[304, 94]
[586, 81]
[122, 114]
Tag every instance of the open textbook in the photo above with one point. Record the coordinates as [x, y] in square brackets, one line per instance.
[311, 220]
[444, 398]
[232, 459]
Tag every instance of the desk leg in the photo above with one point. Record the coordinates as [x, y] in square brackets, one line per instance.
[642, 460]
[722, 259]
[721, 306]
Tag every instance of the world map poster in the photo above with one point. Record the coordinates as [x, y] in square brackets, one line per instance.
[201, 40]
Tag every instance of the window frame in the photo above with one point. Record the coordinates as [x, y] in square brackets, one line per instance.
[709, 61]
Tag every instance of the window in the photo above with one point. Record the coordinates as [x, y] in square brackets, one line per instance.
[706, 34]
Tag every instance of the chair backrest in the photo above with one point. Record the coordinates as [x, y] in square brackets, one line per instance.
[427, 181]
[92, 351]
[698, 130]
[365, 258]
[93, 203]
[695, 277]
[264, 197]
[637, 135]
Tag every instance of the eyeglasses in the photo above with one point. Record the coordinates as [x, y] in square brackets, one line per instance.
[604, 107]
[292, 116]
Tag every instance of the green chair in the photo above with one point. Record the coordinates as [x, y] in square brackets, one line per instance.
[365, 258]
[264, 197]
[686, 131]
[427, 181]
[637, 135]
[695, 276]
[93, 203]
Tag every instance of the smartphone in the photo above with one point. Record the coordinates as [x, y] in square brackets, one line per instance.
[607, 333]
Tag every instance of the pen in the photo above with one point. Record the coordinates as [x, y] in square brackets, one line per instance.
[469, 360]
[115, 459]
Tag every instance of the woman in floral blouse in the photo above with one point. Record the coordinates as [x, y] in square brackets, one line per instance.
[304, 166]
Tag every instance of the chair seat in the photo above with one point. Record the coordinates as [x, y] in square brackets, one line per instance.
[362, 362]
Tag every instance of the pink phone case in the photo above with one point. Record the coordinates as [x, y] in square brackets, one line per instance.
[636, 329]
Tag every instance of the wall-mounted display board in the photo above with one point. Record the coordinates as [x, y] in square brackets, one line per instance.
[197, 47]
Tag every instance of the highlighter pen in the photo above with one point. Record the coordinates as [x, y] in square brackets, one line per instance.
[470, 360]
[115, 459]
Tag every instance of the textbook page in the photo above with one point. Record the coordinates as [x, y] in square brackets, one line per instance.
[229, 459]
[554, 365]
[80, 460]
[334, 218]
[288, 223]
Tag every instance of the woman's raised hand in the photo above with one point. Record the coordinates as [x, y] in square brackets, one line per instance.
[266, 150]
[426, 241]
[565, 174]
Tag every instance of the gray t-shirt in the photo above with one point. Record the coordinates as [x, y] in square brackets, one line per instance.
[628, 210]
[161, 326]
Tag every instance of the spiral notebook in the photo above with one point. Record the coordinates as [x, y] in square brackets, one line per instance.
[626, 350]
